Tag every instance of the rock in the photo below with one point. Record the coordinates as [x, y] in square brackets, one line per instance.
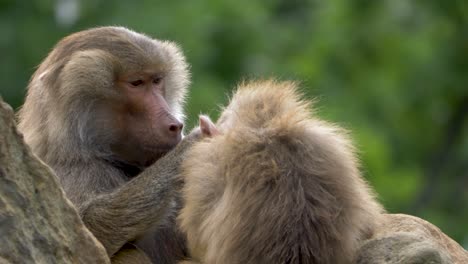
[408, 239]
[37, 223]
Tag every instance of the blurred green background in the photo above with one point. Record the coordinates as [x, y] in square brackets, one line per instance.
[394, 72]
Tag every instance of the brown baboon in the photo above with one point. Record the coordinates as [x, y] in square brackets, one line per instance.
[103, 106]
[274, 184]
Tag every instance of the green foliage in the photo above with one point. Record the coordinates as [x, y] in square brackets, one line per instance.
[393, 72]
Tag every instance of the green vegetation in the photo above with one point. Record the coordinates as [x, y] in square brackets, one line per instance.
[394, 72]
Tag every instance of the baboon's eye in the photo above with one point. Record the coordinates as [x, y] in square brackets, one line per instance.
[137, 83]
[157, 80]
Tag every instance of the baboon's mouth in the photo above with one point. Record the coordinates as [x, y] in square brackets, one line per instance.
[162, 151]
[130, 170]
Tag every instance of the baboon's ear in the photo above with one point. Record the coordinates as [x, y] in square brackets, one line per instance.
[50, 74]
[207, 127]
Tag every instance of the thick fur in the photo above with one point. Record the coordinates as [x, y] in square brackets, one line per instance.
[277, 185]
[61, 120]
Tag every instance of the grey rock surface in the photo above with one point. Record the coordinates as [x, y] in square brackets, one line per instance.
[37, 223]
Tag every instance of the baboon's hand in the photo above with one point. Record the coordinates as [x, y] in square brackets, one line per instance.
[169, 166]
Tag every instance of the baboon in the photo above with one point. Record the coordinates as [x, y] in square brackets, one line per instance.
[103, 106]
[274, 184]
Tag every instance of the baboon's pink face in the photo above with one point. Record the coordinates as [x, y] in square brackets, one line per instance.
[148, 128]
